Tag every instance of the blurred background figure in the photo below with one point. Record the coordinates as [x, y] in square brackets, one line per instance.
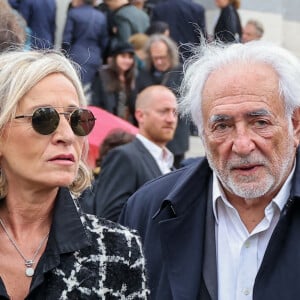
[116, 137]
[149, 5]
[138, 42]
[163, 67]
[125, 20]
[253, 30]
[186, 20]
[85, 38]
[12, 27]
[127, 167]
[161, 59]
[114, 87]
[40, 17]
[140, 4]
[228, 28]
[158, 27]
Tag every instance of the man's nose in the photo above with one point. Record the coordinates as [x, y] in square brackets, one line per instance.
[242, 141]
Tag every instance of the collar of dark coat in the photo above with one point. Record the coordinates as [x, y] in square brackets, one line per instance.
[295, 192]
[67, 230]
[190, 184]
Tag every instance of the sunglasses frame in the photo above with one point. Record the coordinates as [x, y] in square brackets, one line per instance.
[53, 119]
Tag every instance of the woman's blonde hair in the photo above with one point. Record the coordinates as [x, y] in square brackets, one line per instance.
[22, 70]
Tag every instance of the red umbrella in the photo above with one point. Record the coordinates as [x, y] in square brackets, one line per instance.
[105, 123]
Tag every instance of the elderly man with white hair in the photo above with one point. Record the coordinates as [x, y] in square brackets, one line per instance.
[228, 227]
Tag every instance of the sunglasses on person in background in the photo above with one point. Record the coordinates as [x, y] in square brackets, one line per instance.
[45, 120]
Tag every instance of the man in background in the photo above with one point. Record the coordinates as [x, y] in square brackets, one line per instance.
[253, 30]
[125, 20]
[127, 167]
[162, 66]
[186, 20]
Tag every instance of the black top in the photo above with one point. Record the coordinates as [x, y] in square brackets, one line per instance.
[76, 259]
[228, 28]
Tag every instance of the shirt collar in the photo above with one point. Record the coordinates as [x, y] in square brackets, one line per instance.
[279, 200]
[159, 154]
[67, 227]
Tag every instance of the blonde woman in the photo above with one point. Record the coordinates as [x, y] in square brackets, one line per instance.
[49, 249]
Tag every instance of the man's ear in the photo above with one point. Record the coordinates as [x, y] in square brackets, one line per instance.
[296, 125]
[138, 115]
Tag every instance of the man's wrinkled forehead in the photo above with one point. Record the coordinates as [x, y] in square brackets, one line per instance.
[241, 78]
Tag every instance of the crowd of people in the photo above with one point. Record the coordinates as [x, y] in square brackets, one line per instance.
[146, 223]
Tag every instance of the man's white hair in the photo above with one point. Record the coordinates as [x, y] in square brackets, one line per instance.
[210, 57]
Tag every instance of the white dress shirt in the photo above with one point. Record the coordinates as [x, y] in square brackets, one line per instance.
[163, 156]
[240, 253]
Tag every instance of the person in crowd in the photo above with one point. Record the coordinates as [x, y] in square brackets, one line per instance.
[149, 5]
[114, 87]
[140, 4]
[253, 30]
[12, 33]
[228, 226]
[41, 19]
[116, 137]
[127, 167]
[49, 249]
[163, 67]
[113, 139]
[17, 23]
[228, 28]
[125, 20]
[158, 27]
[85, 38]
[186, 20]
[138, 42]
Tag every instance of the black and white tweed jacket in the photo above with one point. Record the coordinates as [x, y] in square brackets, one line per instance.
[88, 258]
[111, 268]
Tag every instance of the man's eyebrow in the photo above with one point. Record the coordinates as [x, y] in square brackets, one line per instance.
[219, 118]
[255, 113]
[260, 112]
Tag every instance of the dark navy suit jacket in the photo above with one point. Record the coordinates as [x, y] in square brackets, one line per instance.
[85, 39]
[124, 170]
[173, 215]
[40, 17]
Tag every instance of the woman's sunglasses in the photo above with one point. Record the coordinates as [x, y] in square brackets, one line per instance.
[45, 120]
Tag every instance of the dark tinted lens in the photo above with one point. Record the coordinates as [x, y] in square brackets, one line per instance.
[45, 120]
[82, 121]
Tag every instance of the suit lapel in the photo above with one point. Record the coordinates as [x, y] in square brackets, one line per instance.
[182, 237]
[182, 253]
[209, 260]
[148, 158]
[187, 239]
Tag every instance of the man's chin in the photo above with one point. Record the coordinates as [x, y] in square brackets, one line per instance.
[250, 190]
